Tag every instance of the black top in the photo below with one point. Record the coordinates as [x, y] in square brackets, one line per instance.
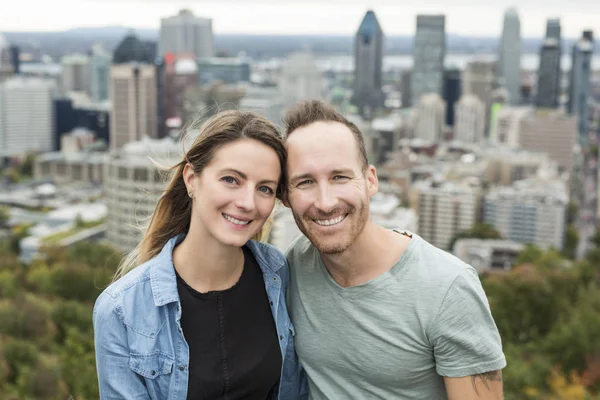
[234, 347]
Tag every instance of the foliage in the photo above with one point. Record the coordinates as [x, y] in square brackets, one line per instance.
[4, 216]
[478, 231]
[46, 335]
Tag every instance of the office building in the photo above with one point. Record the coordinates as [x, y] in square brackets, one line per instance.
[6, 62]
[406, 93]
[132, 49]
[579, 82]
[180, 72]
[300, 79]
[186, 33]
[15, 57]
[469, 127]
[428, 53]
[70, 167]
[488, 255]
[368, 65]
[76, 73]
[553, 133]
[133, 184]
[509, 59]
[445, 209]
[100, 62]
[266, 101]
[229, 70]
[133, 101]
[26, 115]
[505, 127]
[530, 211]
[93, 117]
[549, 72]
[479, 79]
[452, 92]
[430, 115]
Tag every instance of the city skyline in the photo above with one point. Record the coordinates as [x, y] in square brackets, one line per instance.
[329, 17]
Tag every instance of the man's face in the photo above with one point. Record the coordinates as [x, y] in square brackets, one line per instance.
[328, 191]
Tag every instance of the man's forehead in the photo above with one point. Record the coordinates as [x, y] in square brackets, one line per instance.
[320, 130]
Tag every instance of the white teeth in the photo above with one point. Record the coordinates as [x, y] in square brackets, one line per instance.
[235, 221]
[328, 222]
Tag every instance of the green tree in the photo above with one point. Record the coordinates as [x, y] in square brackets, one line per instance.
[571, 242]
[26, 166]
[478, 231]
[4, 216]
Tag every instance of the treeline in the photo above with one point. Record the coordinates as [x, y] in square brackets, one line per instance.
[547, 310]
[46, 336]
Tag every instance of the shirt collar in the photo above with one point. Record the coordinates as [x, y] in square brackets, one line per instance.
[162, 271]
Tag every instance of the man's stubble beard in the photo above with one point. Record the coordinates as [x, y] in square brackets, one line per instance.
[349, 234]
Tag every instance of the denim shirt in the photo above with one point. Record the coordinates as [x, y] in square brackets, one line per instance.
[141, 352]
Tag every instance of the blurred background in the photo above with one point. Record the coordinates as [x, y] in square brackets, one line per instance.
[482, 119]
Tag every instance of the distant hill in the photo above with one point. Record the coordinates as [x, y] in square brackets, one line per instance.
[60, 43]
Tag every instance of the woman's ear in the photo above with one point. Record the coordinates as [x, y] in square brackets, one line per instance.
[189, 177]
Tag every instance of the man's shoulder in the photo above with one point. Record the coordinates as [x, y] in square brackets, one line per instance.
[439, 264]
[299, 248]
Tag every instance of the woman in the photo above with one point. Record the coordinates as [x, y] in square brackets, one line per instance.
[204, 315]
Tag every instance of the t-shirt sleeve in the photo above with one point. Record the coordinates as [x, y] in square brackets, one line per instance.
[464, 335]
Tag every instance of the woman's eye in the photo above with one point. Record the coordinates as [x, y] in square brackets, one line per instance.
[229, 179]
[266, 190]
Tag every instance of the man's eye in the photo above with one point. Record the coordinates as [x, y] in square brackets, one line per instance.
[305, 182]
[338, 177]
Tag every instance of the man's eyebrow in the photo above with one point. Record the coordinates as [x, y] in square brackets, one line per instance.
[300, 176]
[342, 171]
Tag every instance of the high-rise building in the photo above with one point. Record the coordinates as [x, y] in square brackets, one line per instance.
[549, 73]
[100, 74]
[132, 49]
[553, 133]
[133, 101]
[479, 79]
[469, 124]
[406, 92]
[452, 92]
[15, 57]
[26, 115]
[579, 85]
[505, 129]
[6, 66]
[528, 212]
[186, 33]
[180, 72]
[368, 65]
[430, 115]
[133, 184]
[300, 79]
[429, 52]
[94, 117]
[509, 60]
[76, 73]
[445, 209]
[228, 70]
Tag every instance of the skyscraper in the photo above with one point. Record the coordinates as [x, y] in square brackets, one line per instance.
[429, 52]
[131, 48]
[186, 33]
[452, 92]
[6, 67]
[300, 79]
[100, 73]
[430, 116]
[470, 120]
[133, 99]
[509, 59]
[548, 84]
[26, 115]
[76, 73]
[579, 85]
[368, 64]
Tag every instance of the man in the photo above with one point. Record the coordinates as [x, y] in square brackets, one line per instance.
[377, 313]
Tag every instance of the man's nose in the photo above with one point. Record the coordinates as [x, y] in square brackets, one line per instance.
[326, 199]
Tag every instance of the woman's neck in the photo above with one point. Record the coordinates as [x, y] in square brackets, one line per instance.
[206, 265]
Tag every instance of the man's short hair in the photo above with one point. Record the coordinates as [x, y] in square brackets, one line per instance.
[308, 112]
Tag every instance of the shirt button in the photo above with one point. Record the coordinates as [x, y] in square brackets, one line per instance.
[274, 278]
[281, 337]
[182, 367]
[153, 372]
[271, 303]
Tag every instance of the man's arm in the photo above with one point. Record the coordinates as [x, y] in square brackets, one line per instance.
[486, 386]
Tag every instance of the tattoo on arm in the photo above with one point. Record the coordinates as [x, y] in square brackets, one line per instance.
[493, 376]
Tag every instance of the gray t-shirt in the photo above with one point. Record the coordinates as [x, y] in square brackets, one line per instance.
[395, 336]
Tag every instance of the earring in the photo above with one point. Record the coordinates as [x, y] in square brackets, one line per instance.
[191, 194]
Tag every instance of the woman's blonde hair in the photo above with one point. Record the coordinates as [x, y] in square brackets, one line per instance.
[173, 212]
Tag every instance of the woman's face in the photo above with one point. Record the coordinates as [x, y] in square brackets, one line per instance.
[235, 194]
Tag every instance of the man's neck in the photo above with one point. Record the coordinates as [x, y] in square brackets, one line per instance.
[374, 252]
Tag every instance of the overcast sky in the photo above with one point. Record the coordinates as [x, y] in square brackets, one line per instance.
[466, 17]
